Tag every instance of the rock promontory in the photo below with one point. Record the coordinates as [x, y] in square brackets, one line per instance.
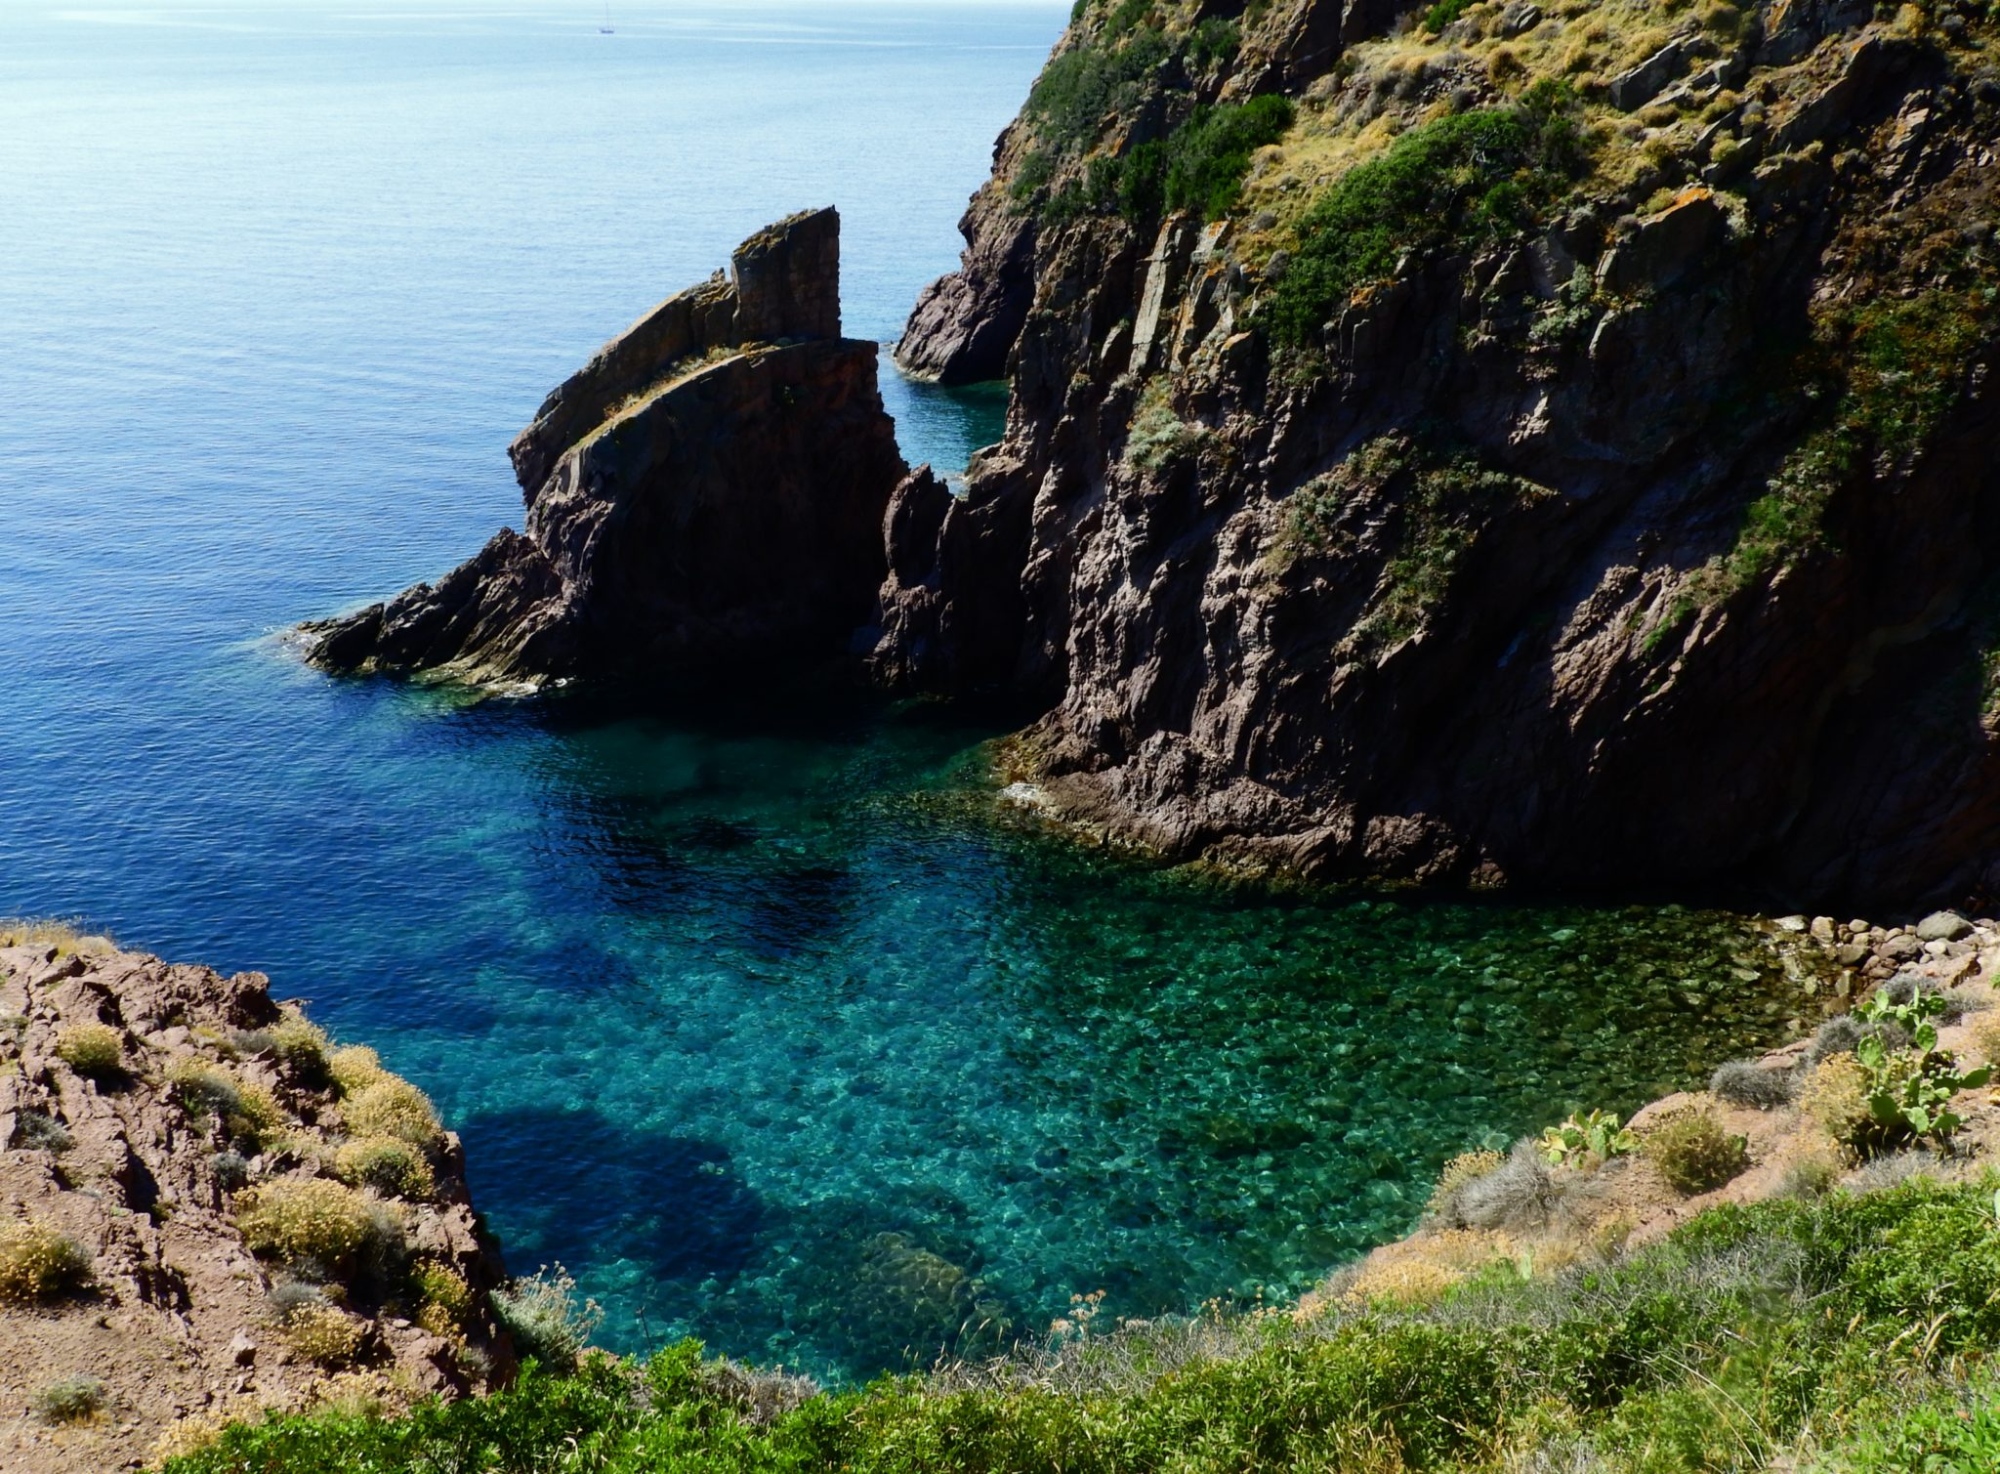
[207, 1211]
[707, 490]
[1543, 445]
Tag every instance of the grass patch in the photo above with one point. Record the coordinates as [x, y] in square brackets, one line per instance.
[1463, 179]
[64, 936]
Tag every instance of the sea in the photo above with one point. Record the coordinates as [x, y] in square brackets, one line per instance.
[760, 1016]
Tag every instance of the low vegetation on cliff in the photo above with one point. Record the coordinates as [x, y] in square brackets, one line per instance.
[1842, 1332]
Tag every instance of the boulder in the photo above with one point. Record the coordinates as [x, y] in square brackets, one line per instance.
[1943, 926]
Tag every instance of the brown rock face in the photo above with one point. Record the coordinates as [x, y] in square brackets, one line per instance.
[707, 490]
[146, 1167]
[965, 323]
[1542, 566]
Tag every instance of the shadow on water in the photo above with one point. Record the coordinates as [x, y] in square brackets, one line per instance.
[921, 1076]
[580, 1187]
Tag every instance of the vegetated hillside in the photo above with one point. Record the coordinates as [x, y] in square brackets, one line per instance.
[1544, 442]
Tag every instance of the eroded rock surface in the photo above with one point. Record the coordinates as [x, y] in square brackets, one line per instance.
[145, 1170]
[706, 492]
[1646, 542]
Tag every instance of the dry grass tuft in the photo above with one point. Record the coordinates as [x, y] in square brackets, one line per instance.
[95, 1051]
[1835, 1095]
[187, 1436]
[73, 1400]
[392, 1106]
[388, 1164]
[39, 1262]
[1693, 1152]
[354, 1068]
[64, 936]
[324, 1335]
[311, 1222]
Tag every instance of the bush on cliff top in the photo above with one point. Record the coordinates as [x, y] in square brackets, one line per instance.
[1824, 1334]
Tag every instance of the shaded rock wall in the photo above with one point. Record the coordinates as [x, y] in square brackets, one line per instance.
[1509, 577]
[707, 490]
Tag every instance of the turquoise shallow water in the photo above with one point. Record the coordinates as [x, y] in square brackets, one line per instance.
[762, 1019]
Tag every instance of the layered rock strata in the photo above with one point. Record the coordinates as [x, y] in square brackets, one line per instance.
[145, 1108]
[1630, 530]
[706, 492]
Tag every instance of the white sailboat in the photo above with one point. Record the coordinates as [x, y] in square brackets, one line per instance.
[605, 29]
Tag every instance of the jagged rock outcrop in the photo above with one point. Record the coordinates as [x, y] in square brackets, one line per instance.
[707, 491]
[965, 323]
[1626, 521]
[144, 1107]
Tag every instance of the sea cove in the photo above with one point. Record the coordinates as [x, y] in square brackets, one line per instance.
[763, 1016]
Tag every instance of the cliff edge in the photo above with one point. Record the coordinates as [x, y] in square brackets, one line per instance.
[707, 490]
[1503, 443]
[207, 1211]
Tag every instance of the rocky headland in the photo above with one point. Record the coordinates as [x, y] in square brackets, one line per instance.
[706, 494]
[1535, 445]
[207, 1210]
[1532, 444]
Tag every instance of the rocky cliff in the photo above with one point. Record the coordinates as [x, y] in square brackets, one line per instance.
[207, 1210]
[1543, 443]
[708, 490]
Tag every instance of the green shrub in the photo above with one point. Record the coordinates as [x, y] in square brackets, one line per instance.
[1693, 1152]
[1466, 178]
[95, 1051]
[392, 1106]
[1201, 164]
[313, 1223]
[76, 1399]
[1748, 1333]
[1080, 89]
[1444, 13]
[38, 1261]
[1213, 42]
[1586, 1138]
[388, 1164]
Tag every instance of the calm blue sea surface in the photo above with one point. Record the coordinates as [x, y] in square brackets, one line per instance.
[756, 1017]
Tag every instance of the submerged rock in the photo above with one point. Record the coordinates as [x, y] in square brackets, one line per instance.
[708, 489]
